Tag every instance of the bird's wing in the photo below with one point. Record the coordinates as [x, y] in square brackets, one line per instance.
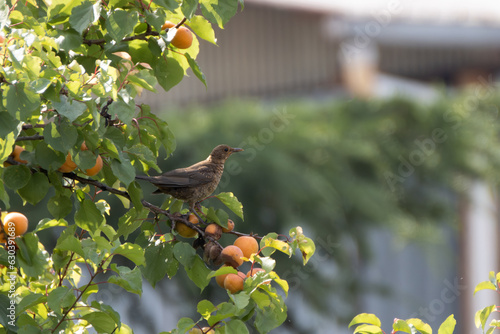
[184, 177]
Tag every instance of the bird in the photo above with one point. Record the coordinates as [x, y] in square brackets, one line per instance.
[194, 183]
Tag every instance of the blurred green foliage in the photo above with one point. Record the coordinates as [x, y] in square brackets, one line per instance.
[339, 168]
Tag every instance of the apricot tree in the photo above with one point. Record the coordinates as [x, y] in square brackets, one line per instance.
[72, 133]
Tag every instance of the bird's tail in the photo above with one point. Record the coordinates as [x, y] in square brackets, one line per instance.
[143, 177]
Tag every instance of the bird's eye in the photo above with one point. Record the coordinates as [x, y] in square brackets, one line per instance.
[226, 149]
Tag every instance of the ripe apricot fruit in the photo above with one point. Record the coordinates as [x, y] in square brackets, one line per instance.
[207, 330]
[234, 282]
[96, 169]
[15, 223]
[183, 37]
[231, 255]
[68, 166]
[16, 154]
[248, 245]
[184, 230]
[213, 230]
[98, 163]
[230, 226]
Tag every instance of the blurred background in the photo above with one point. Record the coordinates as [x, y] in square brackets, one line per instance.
[373, 125]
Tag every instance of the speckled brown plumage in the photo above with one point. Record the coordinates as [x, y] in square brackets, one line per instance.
[194, 183]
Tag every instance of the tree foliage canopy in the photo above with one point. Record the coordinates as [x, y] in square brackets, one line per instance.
[70, 75]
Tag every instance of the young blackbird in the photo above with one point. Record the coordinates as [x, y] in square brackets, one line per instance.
[194, 183]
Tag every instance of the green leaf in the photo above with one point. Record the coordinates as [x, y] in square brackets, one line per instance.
[198, 273]
[88, 216]
[144, 79]
[212, 216]
[124, 111]
[36, 189]
[189, 7]
[29, 301]
[219, 11]
[232, 203]
[171, 5]
[366, 318]
[61, 136]
[130, 280]
[144, 154]
[121, 23]
[482, 315]
[448, 326]
[4, 196]
[185, 254]
[267, 251]
[419, 325]
[135, 192]
[20, 101]
[240, 300]
[29, 257]
[83, 15]
[133, 252]
[48, 223]
[307, 248]
[7, 123]
[400, 325]
[281, 282]
[168, 72]
[185, 324]
[68, 242]
[123, 170]
[40, 85]
[101, 321]
[486, 285]
[261, 299]
[69, 108]
[130, 222]
[278, 245]
[16, 176]
[222, 271]
[271, 316]
[70, 40]
[236, 326]
[196, 69]
[159, 260]
[60, 206]
[202, 28]
[205, 308]
[368, 329]
[59, 11]
[60, 297]
[47, 158]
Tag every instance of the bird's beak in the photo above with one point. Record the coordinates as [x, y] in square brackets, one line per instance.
[237, 149]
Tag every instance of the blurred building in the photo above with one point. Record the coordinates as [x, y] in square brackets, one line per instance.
[366, 49]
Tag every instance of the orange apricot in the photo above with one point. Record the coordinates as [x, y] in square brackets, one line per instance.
[230, 226]
[248, 245]
[186, 231]
[213, 230]
[97, 167]
[16, 153]
[68, 166]
[234, 282]
[183, 38]
[15, 224]
[232, 255]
